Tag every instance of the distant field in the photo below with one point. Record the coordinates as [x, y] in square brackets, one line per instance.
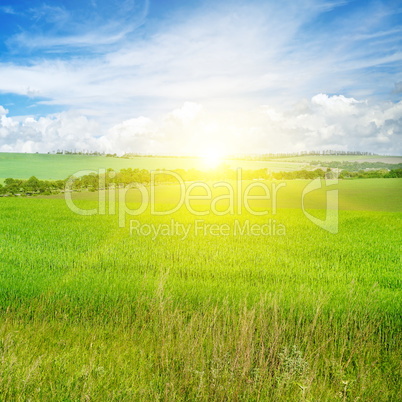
[44, 166]
[48, 166]
[344, 158]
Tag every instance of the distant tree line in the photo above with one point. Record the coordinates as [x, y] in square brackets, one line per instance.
[75, 152]
[32, 186]
[357, 166]
[371, 174]
[254, 157]
[127, 155]
[94, 181]
[281, 155]
[224, 172]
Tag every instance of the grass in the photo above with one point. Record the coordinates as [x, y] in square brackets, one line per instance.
[89, 312]
[53, 167]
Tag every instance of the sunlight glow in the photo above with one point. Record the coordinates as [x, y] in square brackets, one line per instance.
[212, 158]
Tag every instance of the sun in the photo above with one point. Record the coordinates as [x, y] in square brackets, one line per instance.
[212, 158]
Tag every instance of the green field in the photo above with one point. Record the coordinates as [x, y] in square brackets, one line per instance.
[53, 167]
[363, 195]
[92, 312]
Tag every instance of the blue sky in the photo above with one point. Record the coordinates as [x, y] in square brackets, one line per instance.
[176, 76]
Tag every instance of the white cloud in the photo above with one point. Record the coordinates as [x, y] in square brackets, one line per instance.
[60, 131]
[134, 135]
[323, 122]
[186, 114]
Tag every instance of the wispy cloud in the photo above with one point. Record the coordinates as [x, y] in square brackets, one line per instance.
[57, 29]
[398, 87]
[59, 44]
[7, 10]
